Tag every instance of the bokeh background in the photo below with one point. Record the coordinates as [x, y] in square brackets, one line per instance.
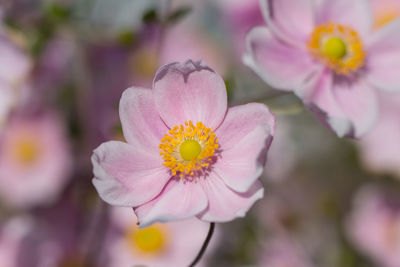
[64, 64]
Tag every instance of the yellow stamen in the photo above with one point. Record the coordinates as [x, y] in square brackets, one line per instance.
[386, 17]
[188, 149]
[337, 46]
[26, 151]
[150, 240]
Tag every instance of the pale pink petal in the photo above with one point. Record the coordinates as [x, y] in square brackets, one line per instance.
[291, 20]
[7, 100]
[178, 200]
[224, 204]
[140, 120]
[358, 101]
[190, 91]
[244, 155]
[281, 65]
[380, 149]
[353, 13]
[321, 101]
[384, 57]
[126, 175]
[15, 64]
[240, 121]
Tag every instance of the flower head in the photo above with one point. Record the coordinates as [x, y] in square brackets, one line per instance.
[328, 54]
[170, 244]
[374, 225]
[282, 251]
[35, 160]
[186, 153]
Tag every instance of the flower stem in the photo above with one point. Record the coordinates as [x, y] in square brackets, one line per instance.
[205, 244]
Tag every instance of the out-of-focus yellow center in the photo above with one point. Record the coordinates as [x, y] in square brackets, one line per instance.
[26, 151]
[187, 149]
[337, 46]
[190, 149]
[386, 17]
[144, 63]
[150, 240]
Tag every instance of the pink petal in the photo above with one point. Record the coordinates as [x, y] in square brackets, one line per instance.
[354, 13]
[244, 136]
[384, 57]
[279, 64]
[321, 101]
[140, 120]
[225, 204]
[126, 175]
[190, 91]
[178, 200]
[15, 64]
[347, 106]
[240, 121]
[358, 101]
[291, 20]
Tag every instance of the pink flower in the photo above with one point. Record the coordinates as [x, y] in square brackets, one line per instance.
[12, 233]
[374, 225]
[239, 17]
[14, 70]
[170, 244]
[188, 41]
[51, 239]
[186, 153]
[34, 160]
[380, 148]
[326, 52]
[282, 251]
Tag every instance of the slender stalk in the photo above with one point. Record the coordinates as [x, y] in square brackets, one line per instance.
[205, 244]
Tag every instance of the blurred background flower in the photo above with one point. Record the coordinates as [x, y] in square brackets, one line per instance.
[328, 202]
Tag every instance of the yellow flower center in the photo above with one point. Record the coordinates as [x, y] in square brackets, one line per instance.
[144, 63]
[188, 149]
[148, 241]
[26, 150]
[337, 46]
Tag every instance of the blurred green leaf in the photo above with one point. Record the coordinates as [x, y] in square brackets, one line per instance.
[57, 11]
[150, 16]
[178, 14]
[127, 38]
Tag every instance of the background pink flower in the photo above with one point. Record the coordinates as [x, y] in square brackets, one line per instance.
[34, 160]
[380, 149]
[326, 52]
[14, 72]
[12, 233]
[239, 17]
[281, 251]
[213, 176]
[170, 244]
[374, 225]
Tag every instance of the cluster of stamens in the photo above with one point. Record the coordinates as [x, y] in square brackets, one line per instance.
[337, 46]
[188, 149]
